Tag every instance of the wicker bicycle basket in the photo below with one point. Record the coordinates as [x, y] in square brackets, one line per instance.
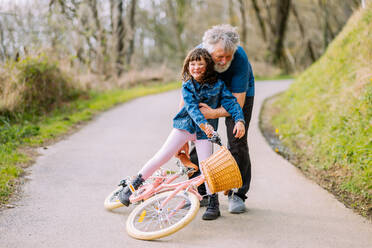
[221, 171]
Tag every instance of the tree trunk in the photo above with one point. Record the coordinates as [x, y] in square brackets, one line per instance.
[259, 19]
[244, 23]
[100, 37]
[132, 26]
[270, 20]
[120, 35]
[177, 16]
[3, 51]
[112, 16]
[233, 20]
[302, 31]
[328, 33]
[282, 14]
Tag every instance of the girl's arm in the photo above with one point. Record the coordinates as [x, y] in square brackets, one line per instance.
[192, 106]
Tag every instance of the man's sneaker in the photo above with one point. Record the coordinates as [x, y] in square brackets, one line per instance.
[125, 194]
[236, 204]
[213, 209]
[204, 202]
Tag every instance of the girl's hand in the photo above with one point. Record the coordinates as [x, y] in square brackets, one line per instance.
[239, 129]
[208, 129]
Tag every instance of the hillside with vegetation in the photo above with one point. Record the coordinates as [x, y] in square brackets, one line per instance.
[324, 121]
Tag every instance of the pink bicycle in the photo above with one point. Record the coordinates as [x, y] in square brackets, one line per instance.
[167, 206]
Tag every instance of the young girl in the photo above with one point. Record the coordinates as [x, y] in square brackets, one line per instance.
[200, 84]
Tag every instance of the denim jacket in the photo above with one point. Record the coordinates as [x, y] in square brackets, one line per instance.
[189, 118]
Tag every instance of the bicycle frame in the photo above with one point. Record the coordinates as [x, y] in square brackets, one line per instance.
[163, 183]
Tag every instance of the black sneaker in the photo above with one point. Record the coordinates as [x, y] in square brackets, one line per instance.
[213, 209]
[204, 202]
[125, 194]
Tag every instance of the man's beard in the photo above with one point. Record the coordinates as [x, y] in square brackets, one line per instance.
[220, 69]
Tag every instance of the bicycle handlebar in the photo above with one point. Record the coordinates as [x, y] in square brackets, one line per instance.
[215, 138]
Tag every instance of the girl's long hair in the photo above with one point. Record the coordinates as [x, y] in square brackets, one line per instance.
[210, 76]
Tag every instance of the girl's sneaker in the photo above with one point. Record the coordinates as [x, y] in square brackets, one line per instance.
[204, 202]
[213, 209]
[125, 194]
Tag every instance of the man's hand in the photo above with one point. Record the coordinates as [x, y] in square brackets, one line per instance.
[239, 129]
[207, 111]
[184, 149]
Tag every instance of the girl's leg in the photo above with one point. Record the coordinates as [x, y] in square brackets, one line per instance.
[176, 139]
[204, 149]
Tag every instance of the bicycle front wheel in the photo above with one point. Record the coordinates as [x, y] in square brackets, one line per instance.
[149, 221]
[112, 200]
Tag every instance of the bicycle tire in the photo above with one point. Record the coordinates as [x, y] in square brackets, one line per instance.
[112, 201]
[138, 215]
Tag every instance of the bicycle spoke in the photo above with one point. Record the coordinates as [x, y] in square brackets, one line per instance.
[149, 221]
[158, 219]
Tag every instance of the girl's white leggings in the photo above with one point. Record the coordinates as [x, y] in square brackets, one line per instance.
[176, 139]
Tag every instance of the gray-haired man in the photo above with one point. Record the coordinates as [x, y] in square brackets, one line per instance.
[233, 67]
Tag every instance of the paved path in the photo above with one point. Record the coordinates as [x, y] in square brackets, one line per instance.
[62, 203]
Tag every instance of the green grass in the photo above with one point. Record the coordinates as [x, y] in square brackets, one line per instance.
[278, 77]
[326, 115]
[34, 131]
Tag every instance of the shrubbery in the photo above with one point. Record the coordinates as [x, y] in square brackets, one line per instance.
[34, 85]
[29, 89]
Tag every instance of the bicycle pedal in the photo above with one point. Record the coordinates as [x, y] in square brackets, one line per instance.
[123, 183]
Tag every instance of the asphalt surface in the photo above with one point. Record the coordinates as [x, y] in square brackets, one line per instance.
[62, 201]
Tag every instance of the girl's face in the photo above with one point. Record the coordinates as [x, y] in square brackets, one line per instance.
[197, 68]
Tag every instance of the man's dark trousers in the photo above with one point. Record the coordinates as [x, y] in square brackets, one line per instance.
[237, 147]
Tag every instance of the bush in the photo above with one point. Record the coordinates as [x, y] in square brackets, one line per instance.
[34, 85]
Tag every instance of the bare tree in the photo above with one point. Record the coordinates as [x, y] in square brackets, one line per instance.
[110, 37]
[132, 28]
[120, 35]
[301, 27]
[244, 28]
[260, 20]
[328, 33]
[233, 19]
[177, 11]
[282, 14]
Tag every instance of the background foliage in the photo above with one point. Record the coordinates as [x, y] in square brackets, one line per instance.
[116, 36]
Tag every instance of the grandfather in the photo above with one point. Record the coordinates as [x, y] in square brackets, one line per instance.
[233, 67]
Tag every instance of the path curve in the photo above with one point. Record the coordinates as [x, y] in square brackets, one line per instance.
[62, 203]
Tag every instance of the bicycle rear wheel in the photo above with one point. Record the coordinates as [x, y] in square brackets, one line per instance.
[148, 221]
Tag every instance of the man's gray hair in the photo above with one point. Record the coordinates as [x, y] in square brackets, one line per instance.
[225, 33]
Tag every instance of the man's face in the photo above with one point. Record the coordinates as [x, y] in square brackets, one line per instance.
[222, 59]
